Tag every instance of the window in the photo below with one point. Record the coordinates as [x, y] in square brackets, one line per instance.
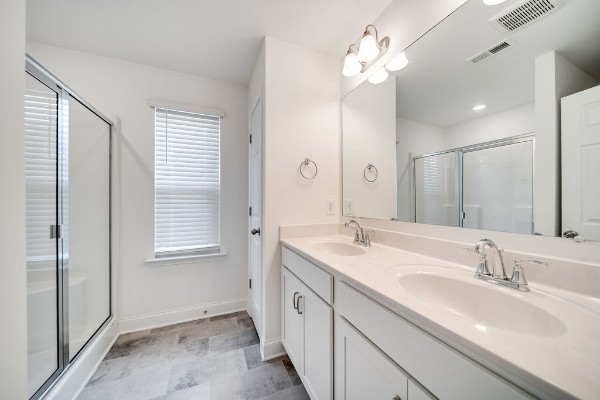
[187, 182]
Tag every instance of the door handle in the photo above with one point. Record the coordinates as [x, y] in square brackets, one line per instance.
[255, 231]
[294, 300]
[298, 305]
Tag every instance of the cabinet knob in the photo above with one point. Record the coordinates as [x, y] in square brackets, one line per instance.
[294, 300]
[255, 231]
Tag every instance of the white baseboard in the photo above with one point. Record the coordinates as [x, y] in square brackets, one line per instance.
[72, 382]
[272, 349]
[155, 320]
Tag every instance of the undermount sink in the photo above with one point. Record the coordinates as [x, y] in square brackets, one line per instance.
[338, 249]
[452, 291]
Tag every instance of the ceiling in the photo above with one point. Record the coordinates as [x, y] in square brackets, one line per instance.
[439, 88]
[217, 39]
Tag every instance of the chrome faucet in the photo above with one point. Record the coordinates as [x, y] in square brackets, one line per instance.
[516, 281]
[360, 236]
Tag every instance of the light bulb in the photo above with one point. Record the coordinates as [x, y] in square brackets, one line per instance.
[367, 48]
[397, 63]
[493, 2]
[379, 76]
[479, 107]
[351, 65]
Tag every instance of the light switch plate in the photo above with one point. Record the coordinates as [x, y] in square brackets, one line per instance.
[329, 207]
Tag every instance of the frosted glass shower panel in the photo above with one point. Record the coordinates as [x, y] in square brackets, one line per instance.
[435, 189]
[498, 188]
[41, 212]
[88, 233]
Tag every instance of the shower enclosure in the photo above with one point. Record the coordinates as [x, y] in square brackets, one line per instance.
[484, 186]
[67, 170]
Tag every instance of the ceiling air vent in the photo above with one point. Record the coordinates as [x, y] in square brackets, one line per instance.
[523, 14]
[492, 51]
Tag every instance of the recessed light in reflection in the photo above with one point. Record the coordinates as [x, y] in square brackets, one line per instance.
[481, 327]
[493, 2]
[479, 107]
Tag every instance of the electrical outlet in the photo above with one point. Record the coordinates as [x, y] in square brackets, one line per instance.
[348, 207]
[329, 207]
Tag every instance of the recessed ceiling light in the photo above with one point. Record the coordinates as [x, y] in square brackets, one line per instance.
[493, 2]
[479, 107]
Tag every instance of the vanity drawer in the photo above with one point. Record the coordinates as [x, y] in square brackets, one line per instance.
[444, 372]
[314, 277]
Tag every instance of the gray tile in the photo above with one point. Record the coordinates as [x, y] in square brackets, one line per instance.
[99, 391]
[293, 393]
[253, 357]
[254, 384]
[145, 386]
[113, 369]
[225, 316]
[200, 371]
[245, 321]
[182, 325]
[289, 367]
[212, 328]
[188, 349]
[126, 344]
[233, 340]
[198, 392]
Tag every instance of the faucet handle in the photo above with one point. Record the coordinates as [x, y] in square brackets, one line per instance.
[367, 241]
[471, 250]
[482, 268]
[518, 276]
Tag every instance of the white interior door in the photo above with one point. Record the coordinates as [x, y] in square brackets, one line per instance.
[255, 219]
[580, 155]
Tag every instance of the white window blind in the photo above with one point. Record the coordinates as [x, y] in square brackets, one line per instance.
[187, 182]
[40, 172]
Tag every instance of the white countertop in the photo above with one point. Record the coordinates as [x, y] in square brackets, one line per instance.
[564, 359]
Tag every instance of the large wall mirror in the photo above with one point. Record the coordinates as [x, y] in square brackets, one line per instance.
[493, 124]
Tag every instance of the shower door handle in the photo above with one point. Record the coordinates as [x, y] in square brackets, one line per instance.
[55, 232]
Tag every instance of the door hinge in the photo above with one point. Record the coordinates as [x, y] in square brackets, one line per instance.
[249, 283]
[250, 211]
[55, 232]
[250, 138]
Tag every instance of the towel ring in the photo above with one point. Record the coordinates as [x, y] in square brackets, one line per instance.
[306, 162]
[370, 167]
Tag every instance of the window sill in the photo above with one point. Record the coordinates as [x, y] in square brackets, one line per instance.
[187, 259]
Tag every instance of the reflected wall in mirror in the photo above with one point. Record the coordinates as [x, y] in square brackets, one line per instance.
[469, 133]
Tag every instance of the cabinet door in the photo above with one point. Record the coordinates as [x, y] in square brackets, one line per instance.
[317, 368]
[291, 326]
[418, 392]
[362, 371]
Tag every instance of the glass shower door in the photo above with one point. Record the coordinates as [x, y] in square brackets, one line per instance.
[435, 181]
[87, 206]
[41, 198]
[498, 188]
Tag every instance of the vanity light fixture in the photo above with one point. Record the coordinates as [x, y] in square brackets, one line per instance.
[397, 63]
[493, 2]
[479, 107]
[362, 55]
[379, 76]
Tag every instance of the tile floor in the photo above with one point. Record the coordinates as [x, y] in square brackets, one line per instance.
[214, 358]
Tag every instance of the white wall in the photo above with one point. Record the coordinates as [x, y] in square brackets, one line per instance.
[302, 110]
[417, 138]
[515, 121]
[403, 21]
[369, 125]
[161, 294]
[555, 77]
[13, 335]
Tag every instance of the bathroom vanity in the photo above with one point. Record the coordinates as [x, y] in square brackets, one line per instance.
[382, 322]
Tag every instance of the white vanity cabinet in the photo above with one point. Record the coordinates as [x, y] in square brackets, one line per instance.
[307, 326]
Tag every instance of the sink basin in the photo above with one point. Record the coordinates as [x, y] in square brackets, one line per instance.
[339, 249]
[485, 305]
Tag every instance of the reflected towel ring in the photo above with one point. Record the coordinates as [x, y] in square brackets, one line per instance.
[370, 167]
[307, 161]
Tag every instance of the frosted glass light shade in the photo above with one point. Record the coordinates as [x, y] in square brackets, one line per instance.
[351, 65]
[379, 76]
[397, 63]
[367, 48]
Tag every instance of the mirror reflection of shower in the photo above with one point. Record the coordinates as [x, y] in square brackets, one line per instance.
[484, 186]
